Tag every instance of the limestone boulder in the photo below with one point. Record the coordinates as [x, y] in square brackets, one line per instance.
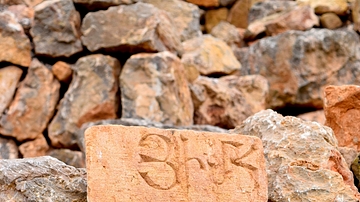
[186, 16]
[41, 179]
[238, 14]
[342, 112]
[141, 122]
[154, 87]
[355, 11]
[33, 105]
[92, 96]
[318, 116]
[34, 148]
[9, 79]
[101, 4]
[339, 7]
[265, 8]
[298, 18]
[29, 3]
[298, 65]
[24, 15]
[303, 163]
[209, 55]
[229, 100]
[139, 27]
[62, 71]
[214, 17]
[330, 21]
[70, 157]
[349, 155]
[56, 29]
[8, 149]
[228, 33]
[14, 44]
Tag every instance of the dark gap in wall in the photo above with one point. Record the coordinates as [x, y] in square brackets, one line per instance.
[292, 110]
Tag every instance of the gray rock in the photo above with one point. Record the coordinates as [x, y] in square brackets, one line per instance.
[41, 179]
[8, 149]
[266, 8]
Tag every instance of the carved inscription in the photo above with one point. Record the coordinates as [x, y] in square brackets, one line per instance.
[169, 161]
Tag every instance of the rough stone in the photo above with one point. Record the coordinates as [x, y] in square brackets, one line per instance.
[24, 15]
[303, 163]
[298, 18]
[209, 55]
[62, 71]
[102, 4]
[92, 96]
[339, 7]
[239, 12]
[29, 3]
[33, 105]
[355, 11]
[342, 112]
[41, 179]
[205, 3]
[186, 16]
[228, 33]
[229, 100]
[298, 65]
[214, 17]
[8, 149]
[141, 122]
[34, 148]
[160, 91]
[173, 165]
[9, 79]
[72, 158]
[349, 154]
[14, 44]
[330, 21]
[317, 116]
[56, 29]
[262, 9]
[226, 3]
[139, 27]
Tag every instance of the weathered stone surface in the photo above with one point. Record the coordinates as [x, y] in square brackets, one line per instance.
[30, 3]
[239, 12]
[141, 122]
[298, 18]
[330, 21]
[62, 71]
[213, 17]
[229, 100]
[41, 179]
[34, 148]
[349, 154]
[56, 29]
[24, 15]
[356, 15]
[303, 163]
[228, 33]
[173, 165]
[299, 65]
[33, 105]
[160, 91]
[91, 97]
[139, 27]
[14, 44]
[205, 3]
[326, 6]
[9, 79]
[186, 16]
[342, 112]
[101, 4]
[72, 158]
[266, 8]
[317, 116]
[209, 55]
[8, 149]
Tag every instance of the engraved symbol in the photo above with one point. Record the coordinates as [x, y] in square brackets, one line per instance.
[154, 166]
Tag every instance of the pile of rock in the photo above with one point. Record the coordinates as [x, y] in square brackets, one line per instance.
[197, 64]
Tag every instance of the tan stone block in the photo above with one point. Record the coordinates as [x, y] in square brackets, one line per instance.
[62, 71]
[150, 164]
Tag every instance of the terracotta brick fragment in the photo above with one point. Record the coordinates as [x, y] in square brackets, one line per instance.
[150, 164]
